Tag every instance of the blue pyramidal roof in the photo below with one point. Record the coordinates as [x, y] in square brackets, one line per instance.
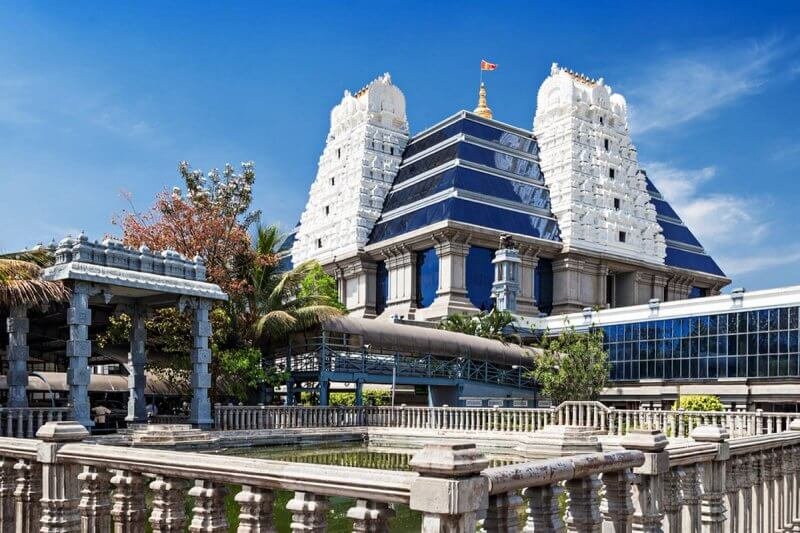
[683, 248]
[473, 171]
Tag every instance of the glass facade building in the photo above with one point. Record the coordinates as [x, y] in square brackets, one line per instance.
[760, 343]
[427, 277]
[480, 275]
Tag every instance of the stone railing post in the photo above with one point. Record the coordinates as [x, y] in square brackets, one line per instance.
[617, 506]
[450, 490]
[129, 508]
[503, 513]
[169, 512]
[612, 421]
[309, 512]
[255, 510]
[95, 504]
[712, 504]
[647, 489]
[60, 490]
[27, 494]
[7, 482]
[208, 514]
[673, 499]
[370, 516]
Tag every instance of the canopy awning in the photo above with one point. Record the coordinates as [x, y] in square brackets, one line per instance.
[389, 337]
[97, 383]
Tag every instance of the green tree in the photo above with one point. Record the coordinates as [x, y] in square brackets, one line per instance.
[492, 325]
[574, 366]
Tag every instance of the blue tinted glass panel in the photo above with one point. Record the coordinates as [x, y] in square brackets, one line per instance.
[381, 287]
[480, 274]
[692, 261]
[543, 285]
[674, 232]
[475, 129]
[664, 209]
[474, 181]
[471, 213]
[433, 160]
[500, 161]
[427, 277]
[698, 292]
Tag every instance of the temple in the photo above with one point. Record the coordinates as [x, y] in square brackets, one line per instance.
[409, 224]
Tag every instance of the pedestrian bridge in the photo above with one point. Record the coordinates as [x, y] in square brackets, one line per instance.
[452, 365]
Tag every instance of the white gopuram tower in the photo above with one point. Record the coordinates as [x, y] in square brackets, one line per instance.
[598, 195]
[368, 134]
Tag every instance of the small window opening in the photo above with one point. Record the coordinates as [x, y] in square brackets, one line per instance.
[327, 210]
[391, 150]
[601, 120]
[616, 203]
[622, 236]
[319, 243]
[333, 181]
[606, 143]
[339, 153]
[611, 173]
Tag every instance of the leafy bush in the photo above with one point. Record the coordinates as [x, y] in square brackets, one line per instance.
[698, 402]
[348, 399]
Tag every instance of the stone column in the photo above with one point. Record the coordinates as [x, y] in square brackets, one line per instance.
[169, 512]
[505, 287]
[451, 294]
[61, 492]
[129, 508]
[357, 287]
[370, 516]
[27, 495]
[503, 513]
[200, 415]
[208, 514]
[137, 358]
[617, 506]
[79, 349]
[95, 504]
[526, 299]
[7, 484]
[401, 265]
[255, 510]
[647, 489]
[712, 506]
[17, 325]
[309, 512]
[324, 392]
[450, 490]
[692, 490]
[673, 499]
[359, 393]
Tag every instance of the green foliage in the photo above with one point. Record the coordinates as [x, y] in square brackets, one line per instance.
[348, 399]
[318, 284]
[490, 325]
[574, 366]
[699, 402]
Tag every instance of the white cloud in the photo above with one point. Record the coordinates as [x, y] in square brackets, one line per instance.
[682, 88]
[718, 220]
[764, 259]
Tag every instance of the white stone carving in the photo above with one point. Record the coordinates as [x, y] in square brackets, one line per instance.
[368, 134]
[582, 130]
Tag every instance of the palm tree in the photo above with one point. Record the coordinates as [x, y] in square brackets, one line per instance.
[461, 323]
[280, 303]
[21, 283]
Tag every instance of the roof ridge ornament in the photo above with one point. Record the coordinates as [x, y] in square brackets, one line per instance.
[483, 109]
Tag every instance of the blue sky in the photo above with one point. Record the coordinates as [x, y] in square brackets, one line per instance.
[97, 99]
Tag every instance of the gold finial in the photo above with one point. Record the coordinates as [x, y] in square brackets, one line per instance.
[483, 109]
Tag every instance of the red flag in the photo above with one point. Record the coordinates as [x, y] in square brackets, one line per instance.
[485, 65]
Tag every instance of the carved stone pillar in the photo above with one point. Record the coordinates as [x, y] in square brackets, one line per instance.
[309, 512]
[200, 412]
[789, 488]
[27, 494]
[450, 490]
[796, 493]
[137, 358]
[60, 489]
[673, 499]
[95, 504]
[648, 486]
[17, 325]
[583, 512]
[617, 506]
[255, 510]
[79, 349]
[169, 511]
[208, 514]
[7, 484]
[451, 294]
[692, 491]
[526, 300]
[503, 514]
[732, 491]
[567, 285]
[129, 510]
[370, 516]
[544, 514]
[401, 269]
[358, 281]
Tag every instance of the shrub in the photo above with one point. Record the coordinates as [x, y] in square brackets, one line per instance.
[698, 402]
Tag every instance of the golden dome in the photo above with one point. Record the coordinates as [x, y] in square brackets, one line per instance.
[483, 109]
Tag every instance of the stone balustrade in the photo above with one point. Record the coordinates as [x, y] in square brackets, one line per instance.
[705, 483]
[585, 414]
[24, 422]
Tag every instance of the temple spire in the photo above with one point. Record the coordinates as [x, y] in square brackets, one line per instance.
[483, 109]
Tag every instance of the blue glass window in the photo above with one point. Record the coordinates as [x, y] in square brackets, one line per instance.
[543, 285]
[471, 213]
[427, 277]
[381, 287]
[473, 181]
[698, 292]
[474, 129]
[691, 260]
[480, 275]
